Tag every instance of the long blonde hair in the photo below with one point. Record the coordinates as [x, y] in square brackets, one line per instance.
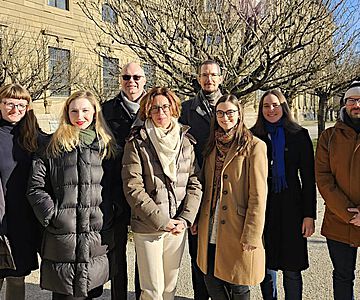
[66, 137]
[29, 127]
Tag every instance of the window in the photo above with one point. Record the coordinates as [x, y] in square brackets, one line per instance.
[63, 4]
[108, 14]
[213, 39]
[212, 5]
[148, 27]
[150, 74]
[110, 76]
[59, 72]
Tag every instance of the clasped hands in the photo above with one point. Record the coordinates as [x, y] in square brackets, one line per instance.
[175, 226]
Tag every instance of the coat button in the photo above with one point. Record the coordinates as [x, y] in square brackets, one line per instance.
[225, 176]
[222, 222]
[225, 192]
[224, 207]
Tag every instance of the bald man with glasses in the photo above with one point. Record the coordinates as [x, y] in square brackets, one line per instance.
[120, 114]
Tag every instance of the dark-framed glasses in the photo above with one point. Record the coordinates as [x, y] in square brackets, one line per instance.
[11, 106]
[128, 77]
[352, 101]
[229, 113]
[156, 108]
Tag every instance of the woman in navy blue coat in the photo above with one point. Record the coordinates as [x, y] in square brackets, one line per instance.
[291, 202]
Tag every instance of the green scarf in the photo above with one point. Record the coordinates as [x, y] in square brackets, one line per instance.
[87, 136]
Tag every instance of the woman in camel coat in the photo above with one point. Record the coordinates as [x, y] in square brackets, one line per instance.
[231, 252]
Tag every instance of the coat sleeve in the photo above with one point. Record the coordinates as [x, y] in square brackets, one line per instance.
[255, 212]
[307, 175]
[133, 184]
[38, 191]
[193, 192]
[333, 196]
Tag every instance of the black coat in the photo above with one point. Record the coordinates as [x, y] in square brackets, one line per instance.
[66, 195]
[195, 115]
[18, 223]
[286, 248]
[120, 122]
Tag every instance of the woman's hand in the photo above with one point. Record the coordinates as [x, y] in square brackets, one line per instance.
[308, 227]
[247, 247]
[176, 226]
[355, 220]
[171, 225]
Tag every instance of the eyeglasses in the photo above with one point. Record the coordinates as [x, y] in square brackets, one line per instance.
[352, 101]
[11, 106]
[210, 75]
[156, 108]
[229, 113]
[128, 77]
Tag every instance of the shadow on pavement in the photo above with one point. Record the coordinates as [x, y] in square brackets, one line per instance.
[33, 291]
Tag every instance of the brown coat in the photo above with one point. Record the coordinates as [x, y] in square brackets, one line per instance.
[337, 169]
[241, 216]
[147, 189]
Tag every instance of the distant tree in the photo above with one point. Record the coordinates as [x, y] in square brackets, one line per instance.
[259, 44]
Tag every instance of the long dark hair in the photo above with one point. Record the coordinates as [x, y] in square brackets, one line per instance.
[29, 127]
[288, 121]
[243, 135]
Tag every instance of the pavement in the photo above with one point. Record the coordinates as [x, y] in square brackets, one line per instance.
[317, 280]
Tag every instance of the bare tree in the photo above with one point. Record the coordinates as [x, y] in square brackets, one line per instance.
[25, 60]
[259, 44]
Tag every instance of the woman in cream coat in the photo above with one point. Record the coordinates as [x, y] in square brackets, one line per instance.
[162, 188]
[230, 228]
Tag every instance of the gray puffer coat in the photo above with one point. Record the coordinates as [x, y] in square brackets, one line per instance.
[66, 195]
[153, 198]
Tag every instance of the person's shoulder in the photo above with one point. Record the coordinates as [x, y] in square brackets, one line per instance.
[299, 132]
[185, 105]
[108, 104]
[185, 129]
[329, 131]
[258, 142]
[136, 132]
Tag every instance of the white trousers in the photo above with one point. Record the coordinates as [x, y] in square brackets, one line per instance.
[159, 257]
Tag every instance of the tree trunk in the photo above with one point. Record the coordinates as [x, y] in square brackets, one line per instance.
[323, 102]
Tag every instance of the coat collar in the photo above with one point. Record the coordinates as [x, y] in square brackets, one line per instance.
[198, 107]
[140, 131]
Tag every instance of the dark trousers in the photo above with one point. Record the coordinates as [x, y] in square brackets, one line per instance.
[343, 258]
[94, 293]
[292, 282]
[119, 283]
[219, 289]
[199, 287]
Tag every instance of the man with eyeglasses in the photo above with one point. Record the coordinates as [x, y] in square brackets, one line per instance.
[337, 169]
[197, 113]
[120, 114]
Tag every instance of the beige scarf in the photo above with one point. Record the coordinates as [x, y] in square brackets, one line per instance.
[167, 145]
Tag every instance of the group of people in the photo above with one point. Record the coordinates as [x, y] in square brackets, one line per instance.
[244, 199]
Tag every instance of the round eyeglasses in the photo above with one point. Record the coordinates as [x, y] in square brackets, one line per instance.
[156, 108]
[11, 106]
[229, 113]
